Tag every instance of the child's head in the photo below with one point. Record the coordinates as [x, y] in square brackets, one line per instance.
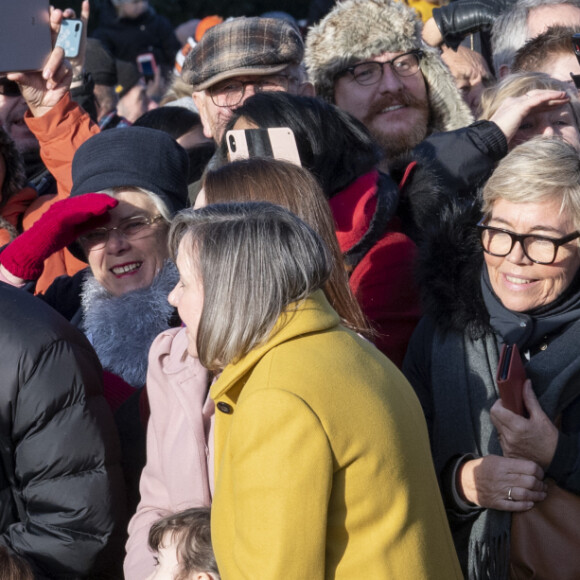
[182, 542]
[130, 8]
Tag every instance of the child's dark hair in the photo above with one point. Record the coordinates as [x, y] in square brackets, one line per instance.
[190, 529]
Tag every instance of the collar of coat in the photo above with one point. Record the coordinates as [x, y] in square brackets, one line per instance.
[311, 315]
[448, 269]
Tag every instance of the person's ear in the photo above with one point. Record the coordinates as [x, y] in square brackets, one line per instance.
[504, 71]
[306, 90]
[203, 576]
[200, 99]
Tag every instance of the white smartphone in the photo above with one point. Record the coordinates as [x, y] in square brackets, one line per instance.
[70, 37]
[277, 143]
[25, 41]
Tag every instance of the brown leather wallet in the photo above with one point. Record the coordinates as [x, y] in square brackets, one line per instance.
[511, 376]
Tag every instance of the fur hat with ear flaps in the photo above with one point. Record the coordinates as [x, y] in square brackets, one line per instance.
[356, 30]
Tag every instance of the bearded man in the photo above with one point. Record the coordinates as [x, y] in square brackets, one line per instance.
[367, 57]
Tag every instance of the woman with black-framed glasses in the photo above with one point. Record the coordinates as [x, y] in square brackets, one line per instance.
[512, 278]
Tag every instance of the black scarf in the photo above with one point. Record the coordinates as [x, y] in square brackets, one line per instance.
[527, 329]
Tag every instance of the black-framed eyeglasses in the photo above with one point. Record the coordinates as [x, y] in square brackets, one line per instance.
[9, 88]
[538, 249]
[371, 72]
[132, 228]
[230, 92]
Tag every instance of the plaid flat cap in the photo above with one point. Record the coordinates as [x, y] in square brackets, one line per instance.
[242, 46]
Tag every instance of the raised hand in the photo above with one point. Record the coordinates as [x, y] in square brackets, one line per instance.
[44, 89]
[61, 225]
[512, 111]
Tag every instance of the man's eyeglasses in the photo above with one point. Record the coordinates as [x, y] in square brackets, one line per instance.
[371, 72]
[230, 93]
[9, 88]
[132, 228]
[538, 249]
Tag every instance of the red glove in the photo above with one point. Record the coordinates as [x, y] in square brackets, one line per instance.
[61, 225]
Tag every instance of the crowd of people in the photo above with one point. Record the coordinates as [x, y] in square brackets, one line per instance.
[262, 368]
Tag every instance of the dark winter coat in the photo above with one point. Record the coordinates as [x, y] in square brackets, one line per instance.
[452, 361]
[61, 486]
[125, 38]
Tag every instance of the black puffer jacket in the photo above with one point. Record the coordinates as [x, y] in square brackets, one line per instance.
[125, 38]
[62, 495]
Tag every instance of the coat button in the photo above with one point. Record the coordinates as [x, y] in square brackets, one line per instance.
[224, 408]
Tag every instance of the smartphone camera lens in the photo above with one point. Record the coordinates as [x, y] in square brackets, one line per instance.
[232, 143]
[77, 27]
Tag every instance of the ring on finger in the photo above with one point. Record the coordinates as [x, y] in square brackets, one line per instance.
[509, 495]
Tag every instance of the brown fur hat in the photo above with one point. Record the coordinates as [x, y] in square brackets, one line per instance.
[359, 29]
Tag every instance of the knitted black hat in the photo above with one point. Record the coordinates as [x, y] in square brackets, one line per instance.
[128, 76]
[100, 63]
[133, 157]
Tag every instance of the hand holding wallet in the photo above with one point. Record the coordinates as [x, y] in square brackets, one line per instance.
[511, 377]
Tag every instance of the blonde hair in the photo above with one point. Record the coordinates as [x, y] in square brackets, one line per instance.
[518, 84]
[255, 259]
[539, 169]
[295, 188]
[177, 90]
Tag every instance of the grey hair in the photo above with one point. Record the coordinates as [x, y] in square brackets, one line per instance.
[518, 84]
[159, 203]
[539, 169]
[255, 260]
[509, 31]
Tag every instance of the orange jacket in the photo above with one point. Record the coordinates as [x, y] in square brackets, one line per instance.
[60, 133]
[12, 213]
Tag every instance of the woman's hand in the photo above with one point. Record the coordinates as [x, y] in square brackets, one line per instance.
[535, 438]
[501, 483]
[67, 219]
[513, 110]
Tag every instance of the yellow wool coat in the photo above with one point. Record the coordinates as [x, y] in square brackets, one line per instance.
[323, 467]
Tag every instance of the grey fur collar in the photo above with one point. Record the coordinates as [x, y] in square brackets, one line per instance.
[121, 329]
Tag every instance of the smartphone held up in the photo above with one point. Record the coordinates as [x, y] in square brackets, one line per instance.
[276, 143]
[147, 66]
[70, 37]
[25, 38]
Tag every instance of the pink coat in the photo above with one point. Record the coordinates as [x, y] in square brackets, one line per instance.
[179, 469]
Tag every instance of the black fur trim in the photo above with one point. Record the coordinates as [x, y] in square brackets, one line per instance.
[421, 197]
[449, 268]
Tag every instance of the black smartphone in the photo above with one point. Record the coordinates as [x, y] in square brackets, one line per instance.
[147, 65]
[576, 46]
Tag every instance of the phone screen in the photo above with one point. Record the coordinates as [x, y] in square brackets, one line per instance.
[147, 68]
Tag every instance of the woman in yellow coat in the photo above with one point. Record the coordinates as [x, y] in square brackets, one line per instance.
[323, 467]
